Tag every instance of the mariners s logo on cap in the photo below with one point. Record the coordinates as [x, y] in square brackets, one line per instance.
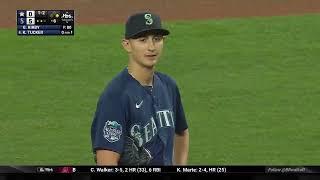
[112, 131]
[148, 18]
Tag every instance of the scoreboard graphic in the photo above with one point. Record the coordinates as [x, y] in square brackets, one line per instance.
[45, 22]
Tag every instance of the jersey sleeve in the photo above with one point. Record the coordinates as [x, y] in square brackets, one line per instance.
[181, 122]
[109, 124]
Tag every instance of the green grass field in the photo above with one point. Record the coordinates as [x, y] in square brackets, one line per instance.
[250, 87]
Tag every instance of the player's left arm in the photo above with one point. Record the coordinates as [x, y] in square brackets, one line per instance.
[181, 137]
[181, 148]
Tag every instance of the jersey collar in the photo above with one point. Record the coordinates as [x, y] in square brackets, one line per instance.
[132, 80]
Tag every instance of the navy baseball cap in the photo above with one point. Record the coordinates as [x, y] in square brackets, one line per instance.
[140, 24]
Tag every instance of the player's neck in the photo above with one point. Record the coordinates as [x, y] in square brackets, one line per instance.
[142, 74]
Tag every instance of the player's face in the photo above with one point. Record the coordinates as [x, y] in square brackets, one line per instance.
[145, 50]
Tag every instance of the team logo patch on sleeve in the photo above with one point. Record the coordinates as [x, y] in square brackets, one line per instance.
[112, 131]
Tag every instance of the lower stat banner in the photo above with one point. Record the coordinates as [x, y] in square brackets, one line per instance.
[162, 169]
[45, 22]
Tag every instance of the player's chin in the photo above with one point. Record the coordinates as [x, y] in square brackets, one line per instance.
[150, 63]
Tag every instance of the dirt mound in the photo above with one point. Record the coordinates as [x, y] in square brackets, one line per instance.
[107, 11]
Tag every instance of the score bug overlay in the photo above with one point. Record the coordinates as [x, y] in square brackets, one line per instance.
[45, 22]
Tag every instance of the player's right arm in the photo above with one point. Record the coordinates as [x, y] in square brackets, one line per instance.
[107, 158]
[108, 129]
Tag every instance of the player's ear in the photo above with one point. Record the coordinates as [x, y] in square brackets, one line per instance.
[126, 45]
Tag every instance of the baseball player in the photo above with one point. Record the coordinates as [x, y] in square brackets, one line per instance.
[139, 118]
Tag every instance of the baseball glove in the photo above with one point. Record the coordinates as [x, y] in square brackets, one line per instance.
[134, 155]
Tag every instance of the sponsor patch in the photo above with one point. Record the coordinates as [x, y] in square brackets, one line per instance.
[112, 131]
